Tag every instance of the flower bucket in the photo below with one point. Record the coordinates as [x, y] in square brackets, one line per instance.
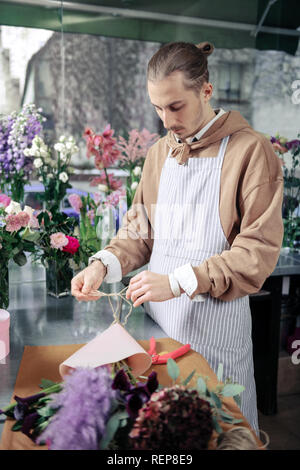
[4, 333]
[112, 345]
[58, 279]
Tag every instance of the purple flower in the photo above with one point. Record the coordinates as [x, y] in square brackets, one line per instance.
[135, 397]
[23, 405]
[84, 407]
[293, 144]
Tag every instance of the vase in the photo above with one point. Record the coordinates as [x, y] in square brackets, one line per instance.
[58, 278]
[4, 285]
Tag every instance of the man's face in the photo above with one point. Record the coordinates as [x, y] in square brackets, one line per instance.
[181, 110]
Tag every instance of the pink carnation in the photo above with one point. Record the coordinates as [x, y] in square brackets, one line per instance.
[72, 245]
[75, 202]
[24, 218]
[58, 240]
[12, 223]
[4, 200]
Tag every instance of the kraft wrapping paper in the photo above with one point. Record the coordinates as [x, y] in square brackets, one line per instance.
[43, 362]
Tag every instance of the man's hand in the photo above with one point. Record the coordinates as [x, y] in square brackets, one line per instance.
[147, 286]
[85, 284]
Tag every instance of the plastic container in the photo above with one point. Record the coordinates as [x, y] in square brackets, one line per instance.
[4, 333]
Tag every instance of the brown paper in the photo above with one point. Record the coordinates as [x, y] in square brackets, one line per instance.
[40, 362]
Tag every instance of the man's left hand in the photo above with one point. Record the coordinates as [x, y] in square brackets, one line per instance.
[147, 286]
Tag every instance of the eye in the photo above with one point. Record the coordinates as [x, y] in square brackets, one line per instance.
[175, 108]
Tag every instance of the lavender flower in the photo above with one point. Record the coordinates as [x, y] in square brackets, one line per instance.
[16, 134]
[83, 409]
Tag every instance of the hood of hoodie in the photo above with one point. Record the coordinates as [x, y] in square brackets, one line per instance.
[227, 124]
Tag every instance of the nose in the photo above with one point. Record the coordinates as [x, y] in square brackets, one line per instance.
[168, 119]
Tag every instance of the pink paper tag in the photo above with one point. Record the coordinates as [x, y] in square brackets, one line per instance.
[112, 345]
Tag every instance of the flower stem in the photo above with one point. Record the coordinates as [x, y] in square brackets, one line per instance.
[47, 391]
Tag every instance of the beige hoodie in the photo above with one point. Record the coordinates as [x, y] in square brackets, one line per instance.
[250, 211]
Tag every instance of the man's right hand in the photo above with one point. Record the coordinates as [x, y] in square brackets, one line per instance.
[84, 285]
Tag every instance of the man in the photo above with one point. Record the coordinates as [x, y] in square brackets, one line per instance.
[206, 217]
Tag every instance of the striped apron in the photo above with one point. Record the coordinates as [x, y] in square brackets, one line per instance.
[187, 229]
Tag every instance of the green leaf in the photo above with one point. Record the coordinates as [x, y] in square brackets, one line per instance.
[17, 426]
[173, 369]
[189, 378]
[201, 385]
[230, 390]
[20, 258]
[30, 235]
[217, 425]
[216, 400]
[45, 383]
[220, 372]
[238, 400]
[111, 428]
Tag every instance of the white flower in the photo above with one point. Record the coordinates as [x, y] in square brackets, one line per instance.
[59, 147]
[38, 162]
[134, 185]
[50, 176]
[27, 152]
[28, 210]
[62, 138]
[103, 188]
[137, 171]
[13, 208]
[44, 152]
[63, 157]
[63, 177]
[41, 178]
[69, 145]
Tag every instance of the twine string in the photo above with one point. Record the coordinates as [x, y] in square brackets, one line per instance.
[120, 294]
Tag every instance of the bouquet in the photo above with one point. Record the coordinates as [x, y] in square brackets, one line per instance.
[107, 408]
[56, 248]
[53, 173]
[291, 201]
[17, 132]
[14, 224]
[133, 154]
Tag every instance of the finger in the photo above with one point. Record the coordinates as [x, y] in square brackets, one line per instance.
[141, 300]
[137, 293]
[135, 279]
[86, 298]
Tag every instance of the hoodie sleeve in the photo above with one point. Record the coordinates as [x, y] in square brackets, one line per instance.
[254, 251]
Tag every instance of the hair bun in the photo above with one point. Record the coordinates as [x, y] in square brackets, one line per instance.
[205, 47]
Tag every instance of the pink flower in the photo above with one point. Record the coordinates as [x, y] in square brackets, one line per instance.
[113, 198]
[58, 240]
[4, 200]
[75, 202]
[12, 223]
[34, 223]
[137, 145]
[114, 184]
[102, 147]
[72, 245]
[24, 218]
[16, 221]
[279, 148]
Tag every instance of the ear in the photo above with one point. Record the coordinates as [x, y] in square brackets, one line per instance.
[207, 91]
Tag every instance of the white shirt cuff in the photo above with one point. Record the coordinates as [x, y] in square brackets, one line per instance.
[175, 288]
[112, 263]
[187, 280]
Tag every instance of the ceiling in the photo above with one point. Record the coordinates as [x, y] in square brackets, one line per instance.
[259, 24]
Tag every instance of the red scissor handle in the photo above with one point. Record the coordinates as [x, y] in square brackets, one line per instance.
[163, 358]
